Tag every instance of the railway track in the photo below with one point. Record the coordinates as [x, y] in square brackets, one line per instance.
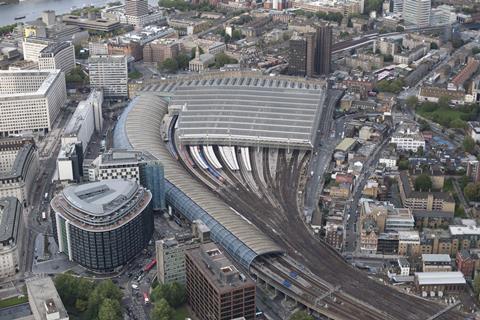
[274, 210]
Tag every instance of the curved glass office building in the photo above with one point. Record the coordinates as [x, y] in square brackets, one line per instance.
[102, 225]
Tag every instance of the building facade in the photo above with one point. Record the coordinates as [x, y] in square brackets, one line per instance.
[30, 100]
[102, 225]
[323, 53]
[11, 235]
[19, 166]
[110, 74]
[171, 258]
[215, 288]
[60, 55]
[416, 13]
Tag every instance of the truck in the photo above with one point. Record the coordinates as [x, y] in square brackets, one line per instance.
[46, 196]
[44, 215]
[146, 298]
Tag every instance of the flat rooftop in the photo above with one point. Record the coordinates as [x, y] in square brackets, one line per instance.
[217, 268]
[43, 296]
[249, 110]
[10, 216]
[436, 258]
[101, 205]
[438, 278]
[48, 77]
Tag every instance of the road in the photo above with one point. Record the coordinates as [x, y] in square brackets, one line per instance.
[325, 145]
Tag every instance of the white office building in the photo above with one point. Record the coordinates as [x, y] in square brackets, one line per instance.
[397, 6]
[30, 100]
[416, 13]
[86, 119]
[32, 48]
[59, 55]
[408, 138]
[110, 74]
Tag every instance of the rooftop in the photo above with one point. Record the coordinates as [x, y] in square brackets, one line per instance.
[103, 204]
[138, 128]
[436, 258]
[217, 268]
[10, 219]
[450, 277]
[44, 297]
[249, 110]
[463, 230]
[48, 76]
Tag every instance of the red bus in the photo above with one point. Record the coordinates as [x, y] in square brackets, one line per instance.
[150, 265]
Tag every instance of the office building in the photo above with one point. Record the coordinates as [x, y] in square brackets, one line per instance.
[136, 8]
[70, 162]
[436, 263]
[171, 257]
[138, 166]
[102, 225]
[152, 178]
[32, 47]
[18, 168]
[416, 13]
[102, 25]
[310, 56]
[323, 53]
[11, 235]
[397, 6]
[159, 50]
[215, 288]
[30, 100]
[408, 138]
[86, 119]
[110, 74]
[297, 61]
[44, 299]
[59, 55]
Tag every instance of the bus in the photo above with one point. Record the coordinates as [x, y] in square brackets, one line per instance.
[150, 265]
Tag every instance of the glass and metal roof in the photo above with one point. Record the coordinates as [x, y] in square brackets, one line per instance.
[142, 132]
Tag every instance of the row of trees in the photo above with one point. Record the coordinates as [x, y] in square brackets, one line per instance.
[472, 191]
[172, 65]
[166, 298]
[91, 300]
[7, 29]
[329, 16]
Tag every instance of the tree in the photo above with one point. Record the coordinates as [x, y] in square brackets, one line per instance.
[403, 164]
[458, 123]
[399, 29]
[475, 50]
[476, 285]
[301, 315]
[373, 5]
[470, 191]
[423, 183]
[169, 65]
[468, 144]
[182, 61]
[443, 102]
[161, 311]
[236, 35]
[110, 310]
[222, 59]
[106, 289]
[173, 293]
[412, 102]
[433, 46]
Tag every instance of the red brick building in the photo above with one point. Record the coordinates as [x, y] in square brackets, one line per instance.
[465, 263]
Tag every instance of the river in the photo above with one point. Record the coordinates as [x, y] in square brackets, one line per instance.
[32, 9]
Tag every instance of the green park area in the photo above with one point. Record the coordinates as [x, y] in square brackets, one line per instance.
[446, 114]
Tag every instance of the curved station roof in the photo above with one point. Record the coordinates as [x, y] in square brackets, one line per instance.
[139, 128]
